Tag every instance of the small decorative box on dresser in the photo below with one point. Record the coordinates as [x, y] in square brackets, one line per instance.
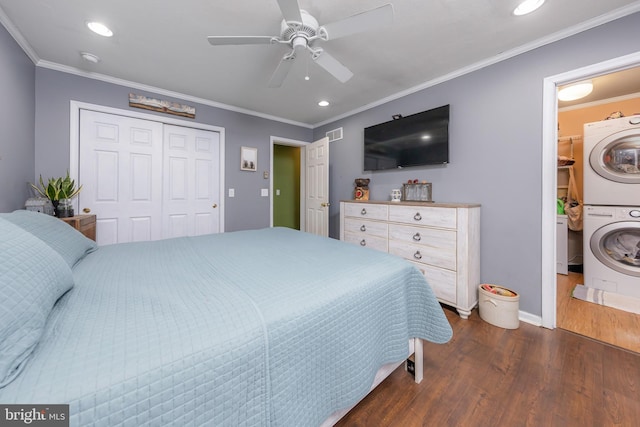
[86, 224]
[441, 239]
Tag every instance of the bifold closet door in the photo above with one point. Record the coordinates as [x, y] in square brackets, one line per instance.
[145, 180]
[190, 202]
[121, 174]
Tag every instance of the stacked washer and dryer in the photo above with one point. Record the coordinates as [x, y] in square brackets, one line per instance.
[611, 259]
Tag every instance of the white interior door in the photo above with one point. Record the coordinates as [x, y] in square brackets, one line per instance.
[190, 201]
[317, 187]
[120, 171]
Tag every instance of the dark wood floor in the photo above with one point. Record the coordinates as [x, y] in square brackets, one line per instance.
[488, 376]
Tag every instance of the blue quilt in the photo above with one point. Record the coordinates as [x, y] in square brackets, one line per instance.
[250, 328]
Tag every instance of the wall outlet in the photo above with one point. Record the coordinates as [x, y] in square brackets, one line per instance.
[232, 192]
[264, 192]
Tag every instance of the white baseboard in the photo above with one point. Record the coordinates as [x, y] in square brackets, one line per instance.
[530, 318]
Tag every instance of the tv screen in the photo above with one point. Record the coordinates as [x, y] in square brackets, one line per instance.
[417, 140]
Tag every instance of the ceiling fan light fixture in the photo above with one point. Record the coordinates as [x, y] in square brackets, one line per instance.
[100, 28]
[527, 6]
[575, 91]
[323, 103]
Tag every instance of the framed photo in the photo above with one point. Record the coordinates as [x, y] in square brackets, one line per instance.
[248, 159]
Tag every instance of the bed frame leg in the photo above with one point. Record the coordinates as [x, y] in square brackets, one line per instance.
[417, 349]
[415, 367]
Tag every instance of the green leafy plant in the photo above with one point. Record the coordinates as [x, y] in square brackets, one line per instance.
[57, 188]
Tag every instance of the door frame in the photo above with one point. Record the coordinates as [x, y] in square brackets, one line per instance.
[74, 141]
[276, 140]
[549, 170]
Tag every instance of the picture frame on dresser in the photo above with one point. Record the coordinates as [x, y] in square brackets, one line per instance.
[442, 240]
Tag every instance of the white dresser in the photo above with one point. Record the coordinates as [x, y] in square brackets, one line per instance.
[441, 239]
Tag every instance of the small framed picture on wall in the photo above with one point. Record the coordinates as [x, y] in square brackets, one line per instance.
[248, 159]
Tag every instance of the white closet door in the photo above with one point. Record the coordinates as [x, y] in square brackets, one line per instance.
[190, 201]
[121, 174]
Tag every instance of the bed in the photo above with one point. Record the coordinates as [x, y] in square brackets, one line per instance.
[270, 327]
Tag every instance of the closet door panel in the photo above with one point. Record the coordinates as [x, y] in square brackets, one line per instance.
[120, 168]
[191, 188]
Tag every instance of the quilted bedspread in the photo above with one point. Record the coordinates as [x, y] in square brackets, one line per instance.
[269, 327]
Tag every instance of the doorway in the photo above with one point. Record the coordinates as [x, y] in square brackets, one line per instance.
[286, 184]
[286, 177]
[549, 173]
[313, 183]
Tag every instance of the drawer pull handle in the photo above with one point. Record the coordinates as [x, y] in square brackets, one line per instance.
[417, 255]
[417, 237]
[363, 242]
[417, 216]
[363, 228]
[363, 212]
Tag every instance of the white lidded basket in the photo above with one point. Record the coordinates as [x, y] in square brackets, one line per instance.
[499, 310]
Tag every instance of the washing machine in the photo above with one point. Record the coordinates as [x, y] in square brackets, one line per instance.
[612, 162]
[612, 249]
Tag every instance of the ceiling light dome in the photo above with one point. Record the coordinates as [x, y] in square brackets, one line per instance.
[575, 91]
[527, 6]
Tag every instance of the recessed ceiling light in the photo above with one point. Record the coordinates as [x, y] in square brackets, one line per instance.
[90, 57]
[100, 28]
[575, 91]
[527, 6]
[323, 103]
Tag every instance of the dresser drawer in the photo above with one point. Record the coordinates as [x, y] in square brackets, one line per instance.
[366, 210]
[443, 282]
[436, 238]
[365, 227]
[424, 215]
[367, 241]
[424, 254]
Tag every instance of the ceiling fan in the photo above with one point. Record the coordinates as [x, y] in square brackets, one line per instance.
[300, 31]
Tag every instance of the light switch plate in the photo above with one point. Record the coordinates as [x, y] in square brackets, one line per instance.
[264, 192]
[232, 192]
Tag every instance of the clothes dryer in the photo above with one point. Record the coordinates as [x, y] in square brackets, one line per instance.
[612, 162]
[612, 249]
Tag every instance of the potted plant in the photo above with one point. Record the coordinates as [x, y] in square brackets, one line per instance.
[60, 191]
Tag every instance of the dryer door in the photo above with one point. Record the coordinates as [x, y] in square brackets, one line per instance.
[617, 245]
[617, 157]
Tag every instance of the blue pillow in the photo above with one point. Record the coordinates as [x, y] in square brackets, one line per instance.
[32, 278]
[61, 237]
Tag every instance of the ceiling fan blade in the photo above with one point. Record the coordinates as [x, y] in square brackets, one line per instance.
[239, 40]
[369, 20]
[282, 70]
[290, 10]
[333, 66]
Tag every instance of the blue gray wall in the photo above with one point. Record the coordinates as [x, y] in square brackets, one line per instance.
[17, 112]
[54, 91]
[495, 150]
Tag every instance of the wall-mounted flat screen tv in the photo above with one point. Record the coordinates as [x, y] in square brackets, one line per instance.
[417, 140]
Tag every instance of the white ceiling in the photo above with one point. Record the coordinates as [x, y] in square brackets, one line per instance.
[162, 45]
